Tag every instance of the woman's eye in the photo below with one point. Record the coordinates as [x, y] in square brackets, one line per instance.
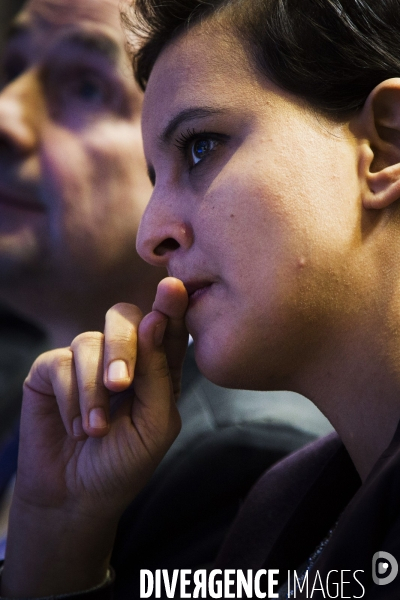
[200, 149]
[195, 146]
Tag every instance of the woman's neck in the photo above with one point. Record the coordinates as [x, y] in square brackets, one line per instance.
[358, 390]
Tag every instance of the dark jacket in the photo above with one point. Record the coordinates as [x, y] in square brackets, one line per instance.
[293, 506]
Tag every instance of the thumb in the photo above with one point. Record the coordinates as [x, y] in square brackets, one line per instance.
[154, 409]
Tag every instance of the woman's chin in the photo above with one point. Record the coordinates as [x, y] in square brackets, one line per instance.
[234, 366]
[218, 364]
[209, 362]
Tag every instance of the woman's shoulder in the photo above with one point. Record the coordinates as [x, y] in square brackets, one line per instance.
[285, 494]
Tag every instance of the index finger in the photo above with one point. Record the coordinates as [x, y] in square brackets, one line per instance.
[172, 300]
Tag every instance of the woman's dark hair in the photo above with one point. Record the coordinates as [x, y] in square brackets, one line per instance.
[332, 53]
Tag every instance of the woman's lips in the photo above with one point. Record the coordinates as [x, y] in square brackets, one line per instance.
[197, 289]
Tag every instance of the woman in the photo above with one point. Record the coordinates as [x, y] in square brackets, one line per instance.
[272, 135]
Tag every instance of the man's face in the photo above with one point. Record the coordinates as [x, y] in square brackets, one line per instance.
[73, 183]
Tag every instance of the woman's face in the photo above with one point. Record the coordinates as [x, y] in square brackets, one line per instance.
[255, 207]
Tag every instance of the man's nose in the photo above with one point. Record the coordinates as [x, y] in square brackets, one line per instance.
[20, 113]
[162, 233]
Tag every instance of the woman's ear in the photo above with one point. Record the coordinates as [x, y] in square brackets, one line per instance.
[378, 128]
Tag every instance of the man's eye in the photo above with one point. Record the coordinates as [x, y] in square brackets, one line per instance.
[200, 149]
[90, 90]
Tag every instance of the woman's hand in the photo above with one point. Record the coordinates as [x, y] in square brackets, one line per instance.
[97, 418]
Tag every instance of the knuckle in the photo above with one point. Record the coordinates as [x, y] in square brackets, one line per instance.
[161, 369]
[50, 356]
[48, 365]
[90, 388]
[123, 338]
[129, 311]
[54, 360]
[61, 363]
[153, 367]
[62, 359]
[92, 339]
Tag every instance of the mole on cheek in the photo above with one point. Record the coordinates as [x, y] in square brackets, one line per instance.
[302, 262]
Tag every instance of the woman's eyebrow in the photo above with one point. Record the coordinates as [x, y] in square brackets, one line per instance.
[184, 116]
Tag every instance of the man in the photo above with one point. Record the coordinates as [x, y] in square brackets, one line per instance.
[73, 186]
[72, 178]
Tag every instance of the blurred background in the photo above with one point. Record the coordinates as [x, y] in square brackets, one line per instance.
[20, 342]
[8, 8]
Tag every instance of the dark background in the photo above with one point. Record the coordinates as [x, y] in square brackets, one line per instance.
[8, 8]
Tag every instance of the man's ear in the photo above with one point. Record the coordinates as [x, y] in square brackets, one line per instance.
[378, 128]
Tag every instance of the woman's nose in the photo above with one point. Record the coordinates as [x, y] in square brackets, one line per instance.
[19, 117]
[162, 233]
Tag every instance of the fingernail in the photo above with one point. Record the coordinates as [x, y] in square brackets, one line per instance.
[97, 418]
[159, 332]
[77, 427]
[117, 370]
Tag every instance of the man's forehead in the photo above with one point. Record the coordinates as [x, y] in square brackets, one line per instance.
[56, 14]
